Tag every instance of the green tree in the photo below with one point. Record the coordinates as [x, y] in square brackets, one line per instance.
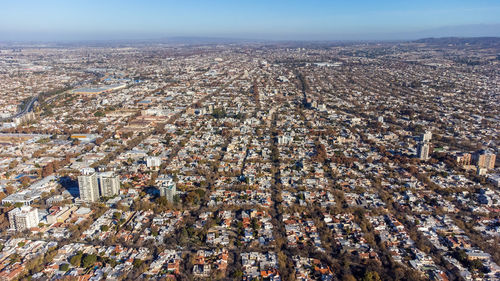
[99, 114]
[76, 260]
[137, 263]
[117, 215]
[371, 276]
[89, 260]
[238, 274]
[476, 264]
[219, 113]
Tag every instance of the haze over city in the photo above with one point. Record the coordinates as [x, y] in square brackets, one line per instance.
[269, 20]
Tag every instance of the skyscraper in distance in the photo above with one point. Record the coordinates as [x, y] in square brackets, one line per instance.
[423, 151]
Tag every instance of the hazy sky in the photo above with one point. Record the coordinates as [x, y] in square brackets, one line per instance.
[255, 19]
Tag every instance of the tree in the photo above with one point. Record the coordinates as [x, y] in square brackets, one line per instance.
[137, 263]
[89, 260]
[25, 181]
[9, 189]
[64, 267]
[117, 215]
[99, 141]
[476, 264]
[238, 274]
[13, 164]
[76, 260]
[219, 113]
[371, 276]
[48, 170]
[99, 114]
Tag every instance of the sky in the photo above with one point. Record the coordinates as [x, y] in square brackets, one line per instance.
[49, 20]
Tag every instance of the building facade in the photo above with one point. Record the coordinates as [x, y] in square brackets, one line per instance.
[423, 151]
[153, 162]
[484, 159]
[23, 218]
[88, 185]
[109, 184]
[167, 187]
[427, 136]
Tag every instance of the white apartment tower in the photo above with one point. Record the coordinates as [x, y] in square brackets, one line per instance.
[23, 218]
[109, 184]
[153, 162]
[427, 136]
[167, 187]
[88, 185]
[424, 146]
[423, 151]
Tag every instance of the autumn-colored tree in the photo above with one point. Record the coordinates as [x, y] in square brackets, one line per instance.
[9, 189]
[25, 180]
[99, 141]
[48, 170]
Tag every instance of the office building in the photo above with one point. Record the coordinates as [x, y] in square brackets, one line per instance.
[463, 159]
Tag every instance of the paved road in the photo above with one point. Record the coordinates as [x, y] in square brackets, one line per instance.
[31, 103]
[27, 108]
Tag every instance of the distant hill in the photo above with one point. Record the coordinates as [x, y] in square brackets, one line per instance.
[461, 41]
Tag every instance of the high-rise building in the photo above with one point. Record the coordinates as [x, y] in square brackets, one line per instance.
[153, 162]
[424, 146]
[88, 185]
[423, 151]
[23, 218]
[109, 184]
[427, 136]
[463, 159]
[484, 159]
[167, 187]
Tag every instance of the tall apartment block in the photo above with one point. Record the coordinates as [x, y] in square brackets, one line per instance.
[88, 185]
[484, 159]
[23, 218]
[109, 184]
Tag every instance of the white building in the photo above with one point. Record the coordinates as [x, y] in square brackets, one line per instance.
[427, 136]
[167, 187]
[88, 185]
[153, 162]
[423, 151]
[109, 184]
[23, 218]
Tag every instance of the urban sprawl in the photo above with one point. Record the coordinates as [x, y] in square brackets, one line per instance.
[251, 161]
